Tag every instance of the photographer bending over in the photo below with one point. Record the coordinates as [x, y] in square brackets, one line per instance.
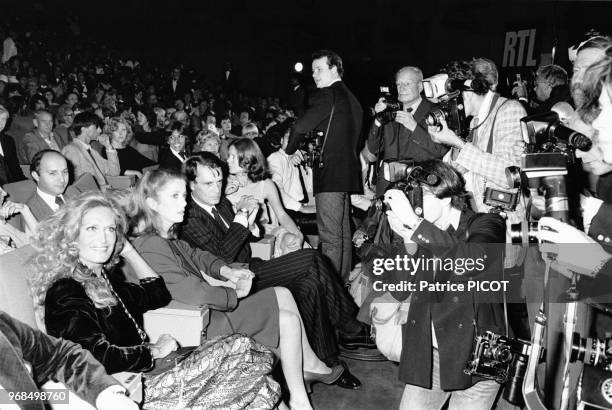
[438, 337]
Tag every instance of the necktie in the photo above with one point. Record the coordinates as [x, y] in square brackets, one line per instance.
[303, 184]
[182, 155]
[59, 201]
[218, 218]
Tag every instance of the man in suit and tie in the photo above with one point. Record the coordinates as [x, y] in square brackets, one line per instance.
[211, 224]
[86, 127]
[42, 137]
[406, 137]
[29, 357]
[177, 86]
[336, 112]
[10, 171]
[49, 169]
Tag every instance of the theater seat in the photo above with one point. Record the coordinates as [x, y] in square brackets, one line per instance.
[16, 300]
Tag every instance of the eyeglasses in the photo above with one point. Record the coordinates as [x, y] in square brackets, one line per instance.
[406, 84]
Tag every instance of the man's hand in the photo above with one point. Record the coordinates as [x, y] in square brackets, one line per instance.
[398, 226]
[570, 248]
[114, 398]
[520, 89]
[380, 106]
[236, 274]
[10, 208]
[445, 136]
[104, 139]
[406, 119]
[248, 202]
[129, 172]
[308, 209]
[359, 238]
[296, 158]
[518, 148]
[401, 207]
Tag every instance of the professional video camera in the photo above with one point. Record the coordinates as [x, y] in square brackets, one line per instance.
[549, 156]
[311, 145]
[447, 94]
[408, 176]
[393, 106]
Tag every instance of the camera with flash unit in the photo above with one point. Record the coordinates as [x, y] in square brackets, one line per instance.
[390, 111]
[407, 176]
[446, 93]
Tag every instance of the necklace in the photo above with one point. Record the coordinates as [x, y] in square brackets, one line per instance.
[141, 333]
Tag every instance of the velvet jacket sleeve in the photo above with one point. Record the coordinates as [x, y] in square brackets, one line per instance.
[151, 138]
[56, 359]
[147, 295]
[70, 314]
[185, 284]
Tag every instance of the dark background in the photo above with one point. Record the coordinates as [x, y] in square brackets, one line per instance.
[263, 39]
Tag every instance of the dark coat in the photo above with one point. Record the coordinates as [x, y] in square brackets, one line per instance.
[394, 141]
[167, 160]
[10, 171]
[51, 359]
[202, 231]
[453, 313]
[109, 334]
[341, 171]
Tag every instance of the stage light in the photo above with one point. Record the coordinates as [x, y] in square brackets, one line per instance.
[298, 67]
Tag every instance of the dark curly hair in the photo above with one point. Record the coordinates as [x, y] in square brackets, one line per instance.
[452, 184]
[482, 71]
[251, 159]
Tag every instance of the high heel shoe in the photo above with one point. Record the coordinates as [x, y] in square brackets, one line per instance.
[328, 378]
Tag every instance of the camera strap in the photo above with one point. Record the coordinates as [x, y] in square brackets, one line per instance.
[331, 115]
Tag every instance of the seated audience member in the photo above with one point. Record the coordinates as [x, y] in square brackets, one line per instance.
[131, 161]
[10, 171]
[41, 138]
[207, 141]
[197, 277]
[250, 130]
[175, 153]
[249, 177]
[289, 174]
[83, 300]
[11, 237]
[325, 305]
[64, 119]
[49, 169]
[54, 359]
[226, 135]
[438, 336]
[86, 128]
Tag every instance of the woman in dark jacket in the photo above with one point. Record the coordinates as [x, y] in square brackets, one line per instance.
[85, 302]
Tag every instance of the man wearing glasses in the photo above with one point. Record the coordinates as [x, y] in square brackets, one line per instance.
[406, 137]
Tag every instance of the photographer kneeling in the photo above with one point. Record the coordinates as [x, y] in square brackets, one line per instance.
[438, 338]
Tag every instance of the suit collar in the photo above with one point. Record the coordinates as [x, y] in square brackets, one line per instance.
[422, 110]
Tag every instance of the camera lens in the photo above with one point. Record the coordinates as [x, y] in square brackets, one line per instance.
[523, 233]
[588, 350]
[501, 354]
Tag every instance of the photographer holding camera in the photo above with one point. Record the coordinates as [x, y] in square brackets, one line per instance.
[402, 134]
[336, 113]
[438, 337]
[495, 133]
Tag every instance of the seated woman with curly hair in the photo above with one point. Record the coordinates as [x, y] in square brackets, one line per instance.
[130, 160]
[84, 300]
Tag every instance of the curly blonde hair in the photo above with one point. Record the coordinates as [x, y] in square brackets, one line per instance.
[112, 125]
[57, 253]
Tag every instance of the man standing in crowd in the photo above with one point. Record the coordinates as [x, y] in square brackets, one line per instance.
[336, 112]
[551, 87]
[496, 129]
[49, 169]
[41, 138]
[405, 138]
